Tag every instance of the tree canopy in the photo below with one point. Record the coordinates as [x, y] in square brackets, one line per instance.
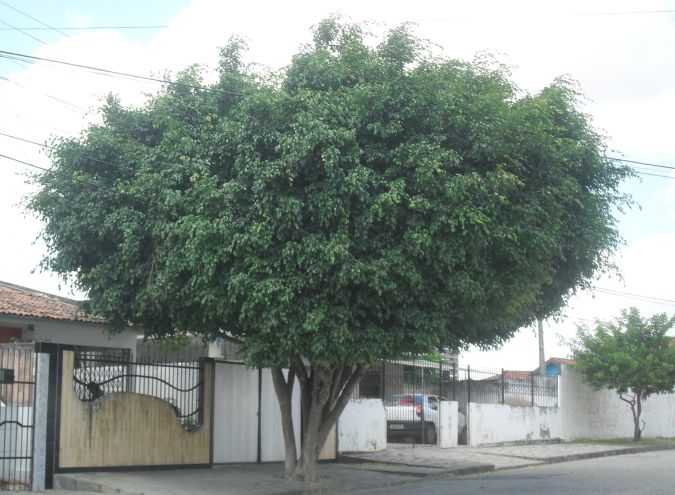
[364, 202]
[633, 356]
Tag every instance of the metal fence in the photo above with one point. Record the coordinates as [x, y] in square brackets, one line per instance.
[17, 394]
[412, 388]
[465, 385]
[99, 373]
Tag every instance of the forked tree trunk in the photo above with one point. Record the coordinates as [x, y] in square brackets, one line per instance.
[325, 391]
[635, 402]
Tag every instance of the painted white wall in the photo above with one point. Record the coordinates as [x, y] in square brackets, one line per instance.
[600, 414]
[73, 333]
[503, 423]
[448, 424]
[582, 413]
[362, 427]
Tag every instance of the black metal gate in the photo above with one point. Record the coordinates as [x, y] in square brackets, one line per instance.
[17, 400]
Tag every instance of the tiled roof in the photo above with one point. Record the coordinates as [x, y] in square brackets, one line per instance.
[21, 301]
[517, 374]
[559, 361]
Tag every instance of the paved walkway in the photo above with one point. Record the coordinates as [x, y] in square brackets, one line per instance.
[364, 472]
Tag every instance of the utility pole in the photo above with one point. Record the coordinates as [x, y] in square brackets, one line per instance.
[542, 361]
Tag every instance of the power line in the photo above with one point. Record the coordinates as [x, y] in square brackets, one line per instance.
[632, 295]
[557, 14]
[24, 163]
[47, 26]
[641, 163]
[654, 175]
[23, 32]
[84, 28]
[108, 163]
[47, 95]
[107, 72]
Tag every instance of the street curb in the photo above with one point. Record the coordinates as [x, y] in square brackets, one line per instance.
[603, 453]
[70, 482]
[477, 468]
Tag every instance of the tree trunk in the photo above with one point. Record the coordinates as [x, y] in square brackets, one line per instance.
[637, 433]
[284, 391]
[635, 403]
[325, 392]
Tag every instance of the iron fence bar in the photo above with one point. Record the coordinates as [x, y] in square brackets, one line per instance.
[502, 385]
[532, 386]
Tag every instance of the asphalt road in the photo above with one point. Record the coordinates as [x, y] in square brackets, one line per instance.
[651, 473]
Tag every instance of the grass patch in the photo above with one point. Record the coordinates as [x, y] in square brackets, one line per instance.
[628, 442]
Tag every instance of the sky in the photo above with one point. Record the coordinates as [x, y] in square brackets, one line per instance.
[621, 53]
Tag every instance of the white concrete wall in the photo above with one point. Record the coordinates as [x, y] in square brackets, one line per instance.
[588, 413]
[502, 423]
[362, 427]
[582, 413]
[448, 424]
[74, 333]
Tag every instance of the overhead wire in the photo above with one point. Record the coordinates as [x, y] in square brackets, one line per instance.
[108, 72]
[47, 26]
[554, 14]
[641, 163]
[85, 28]
[23, 32]
[632, 295]
[28, 164]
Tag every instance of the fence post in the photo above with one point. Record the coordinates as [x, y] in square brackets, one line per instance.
[382, 380]
[440, 376]
[532, 386]
[468, 384]
[502, 385]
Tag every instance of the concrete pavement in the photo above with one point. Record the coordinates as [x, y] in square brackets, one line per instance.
[362, 472]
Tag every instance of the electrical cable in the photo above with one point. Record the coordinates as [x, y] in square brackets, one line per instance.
[23, 32]
[84, 28]
[108, 72]
[631, 295]
[47, 26]
[24, 162]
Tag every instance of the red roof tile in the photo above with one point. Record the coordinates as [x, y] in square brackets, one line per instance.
[557, 360]
[21, 301]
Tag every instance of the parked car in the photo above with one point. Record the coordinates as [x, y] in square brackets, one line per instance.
[413, 415]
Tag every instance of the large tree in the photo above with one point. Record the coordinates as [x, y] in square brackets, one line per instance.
[365, 202]
[633, 356]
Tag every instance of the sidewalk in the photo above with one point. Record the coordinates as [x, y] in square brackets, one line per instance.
[362, 472]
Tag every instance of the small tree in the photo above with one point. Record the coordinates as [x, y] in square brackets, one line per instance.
[633, 356]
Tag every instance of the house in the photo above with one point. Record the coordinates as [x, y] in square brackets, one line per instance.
[28, 315]
[554, 364]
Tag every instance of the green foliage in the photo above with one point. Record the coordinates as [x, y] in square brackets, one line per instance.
[364, 203]
[633, 355]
